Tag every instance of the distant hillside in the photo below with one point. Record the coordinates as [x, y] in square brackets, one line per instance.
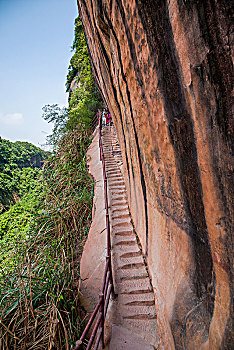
[20, 164]
[20, 154]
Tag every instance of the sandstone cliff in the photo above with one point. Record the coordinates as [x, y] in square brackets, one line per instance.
[165, 71]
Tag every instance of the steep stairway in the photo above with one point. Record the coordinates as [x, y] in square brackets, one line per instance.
[132, 314]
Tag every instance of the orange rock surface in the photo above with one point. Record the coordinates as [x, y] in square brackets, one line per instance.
[165, 71]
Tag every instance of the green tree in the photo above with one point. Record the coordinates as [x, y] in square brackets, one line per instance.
[58, 116]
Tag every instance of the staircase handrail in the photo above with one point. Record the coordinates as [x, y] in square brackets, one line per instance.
[107, 285]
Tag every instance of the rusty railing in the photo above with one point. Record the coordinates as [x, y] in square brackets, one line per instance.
[94, 121]
[97, 318]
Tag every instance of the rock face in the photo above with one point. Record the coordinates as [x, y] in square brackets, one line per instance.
[165, 71]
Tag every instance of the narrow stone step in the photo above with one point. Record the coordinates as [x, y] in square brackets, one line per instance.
[118, 208]
[119, 181]
[119, 202]
[127, 248]
[142, 312]
[130, 254]
[132, 278]
[120, 215]
[120, 197]
[125, 243]
[119, 239]
[139, 272]
[131, 266]
[141, 299]
[123, 231]
[135, 287]
[116, 186]
[120, 190]
[130, 261]
[116, 191]
[114, 171]
[123, 339]
[115, 176]
[119, 222]
[110, 163]
[146, 327]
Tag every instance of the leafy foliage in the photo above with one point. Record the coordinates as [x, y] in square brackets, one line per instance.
[46, 237]
[42, 235]
[19, 169]
[79, 65]
[85, 98]
[17, 223]
[58, 116]
[20, 154]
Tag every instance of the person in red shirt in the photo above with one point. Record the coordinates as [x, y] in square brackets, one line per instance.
[108, 117]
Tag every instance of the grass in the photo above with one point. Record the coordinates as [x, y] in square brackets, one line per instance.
[39, 295]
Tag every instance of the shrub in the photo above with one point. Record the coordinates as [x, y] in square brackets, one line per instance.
[39, 296]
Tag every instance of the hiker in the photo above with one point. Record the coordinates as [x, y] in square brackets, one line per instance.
[104, 117]
[109, 118]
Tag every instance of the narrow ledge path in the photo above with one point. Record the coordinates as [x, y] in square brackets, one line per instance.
[134, 307]
[131, 322]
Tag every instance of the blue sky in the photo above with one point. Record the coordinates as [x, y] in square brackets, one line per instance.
[35, 41]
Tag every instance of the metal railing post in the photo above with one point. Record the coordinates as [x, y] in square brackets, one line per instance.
[108, 234]
[101, 297]
[113, 295]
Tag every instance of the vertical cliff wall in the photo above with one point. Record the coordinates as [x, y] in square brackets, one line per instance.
[165, 71]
